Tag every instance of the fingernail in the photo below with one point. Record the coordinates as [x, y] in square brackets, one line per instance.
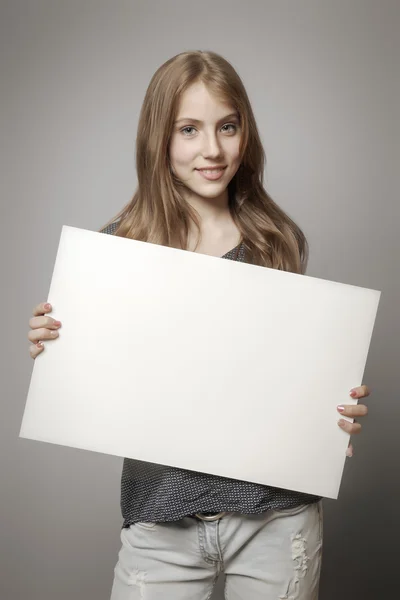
[47, 306]
[39, 345]
[341, 422]
[57, 323]
[349, 453]
[340, 408]
[353, 393]
[54, 333]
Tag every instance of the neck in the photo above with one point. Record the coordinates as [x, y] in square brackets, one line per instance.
[212, 210]
[218, 232]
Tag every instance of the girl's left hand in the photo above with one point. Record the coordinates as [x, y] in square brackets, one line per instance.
[355, 410]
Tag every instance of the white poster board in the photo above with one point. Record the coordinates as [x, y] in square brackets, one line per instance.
[195, 362]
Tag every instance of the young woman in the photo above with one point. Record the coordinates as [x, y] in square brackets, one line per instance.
[200, 165]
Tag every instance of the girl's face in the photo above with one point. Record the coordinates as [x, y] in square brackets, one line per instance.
[206, 134]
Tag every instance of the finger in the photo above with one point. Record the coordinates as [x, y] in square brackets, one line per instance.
[36, 335]
[350, 451]
[35, 349]
[42, 321]
[355, 410]
[351, 428]
[42, 309]
[360, 392]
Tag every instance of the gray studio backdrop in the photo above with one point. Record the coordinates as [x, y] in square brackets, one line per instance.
[324, 83]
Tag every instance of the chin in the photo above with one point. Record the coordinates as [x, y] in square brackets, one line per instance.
[210, 194]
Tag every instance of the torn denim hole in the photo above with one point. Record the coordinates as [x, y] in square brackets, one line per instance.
[300, 558]
[138, 579]
[299, 555]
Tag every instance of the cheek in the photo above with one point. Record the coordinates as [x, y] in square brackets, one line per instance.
[180, 153]
[232, 150]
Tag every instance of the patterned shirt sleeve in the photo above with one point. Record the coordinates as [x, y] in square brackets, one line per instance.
[110, 229]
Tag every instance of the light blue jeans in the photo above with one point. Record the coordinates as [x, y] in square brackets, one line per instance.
[272, 556]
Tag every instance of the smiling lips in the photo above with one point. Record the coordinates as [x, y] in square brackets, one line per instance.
[211, 173]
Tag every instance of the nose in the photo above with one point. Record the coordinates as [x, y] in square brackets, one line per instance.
[211, 147]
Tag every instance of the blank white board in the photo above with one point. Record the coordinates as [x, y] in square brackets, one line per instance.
[195, 362]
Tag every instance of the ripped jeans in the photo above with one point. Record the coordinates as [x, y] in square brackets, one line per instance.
[272, 556]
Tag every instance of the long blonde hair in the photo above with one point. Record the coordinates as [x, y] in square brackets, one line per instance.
[158, 212]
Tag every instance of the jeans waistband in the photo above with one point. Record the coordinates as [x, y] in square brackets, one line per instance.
[209, 516]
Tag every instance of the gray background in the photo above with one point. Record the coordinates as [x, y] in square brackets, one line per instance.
[323, 80]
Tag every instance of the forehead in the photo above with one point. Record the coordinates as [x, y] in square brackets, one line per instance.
[198, 102]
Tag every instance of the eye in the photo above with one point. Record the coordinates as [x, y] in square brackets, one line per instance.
[230, 125]
[185, 129]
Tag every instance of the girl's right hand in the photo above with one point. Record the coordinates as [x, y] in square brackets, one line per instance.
[43, 328]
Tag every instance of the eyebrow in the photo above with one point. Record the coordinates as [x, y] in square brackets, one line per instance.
[231, 116]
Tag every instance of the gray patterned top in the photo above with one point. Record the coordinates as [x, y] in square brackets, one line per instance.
[152, 492]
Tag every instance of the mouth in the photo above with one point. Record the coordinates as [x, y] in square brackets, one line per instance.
[212, 173]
